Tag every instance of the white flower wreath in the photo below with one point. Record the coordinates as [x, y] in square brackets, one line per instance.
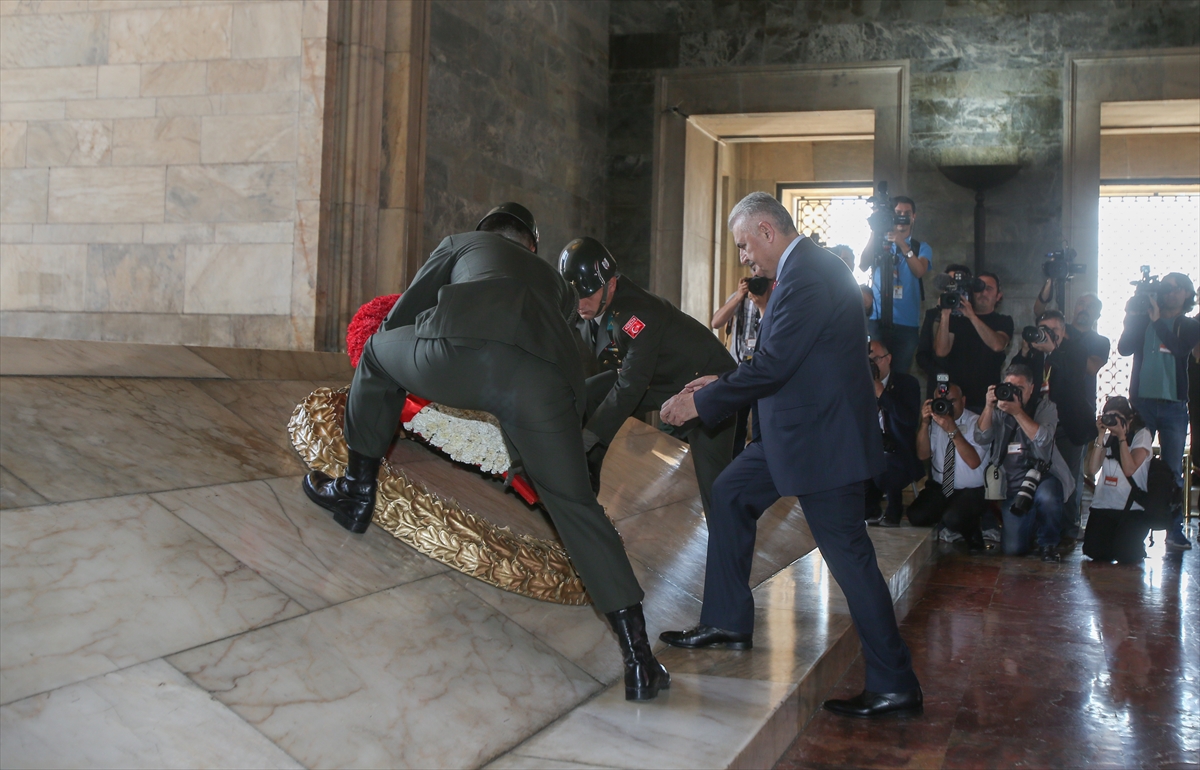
[467, 436]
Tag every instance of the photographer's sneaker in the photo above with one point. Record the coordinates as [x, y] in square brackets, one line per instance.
[949, 536]
[991, 535]
[1177, 541]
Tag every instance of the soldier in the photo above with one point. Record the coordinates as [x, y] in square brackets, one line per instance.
[484, 326]
[656, 350]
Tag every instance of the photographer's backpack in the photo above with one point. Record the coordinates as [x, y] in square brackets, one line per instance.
[1160, 498]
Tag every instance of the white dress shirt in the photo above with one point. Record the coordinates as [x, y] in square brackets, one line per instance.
[965, 477]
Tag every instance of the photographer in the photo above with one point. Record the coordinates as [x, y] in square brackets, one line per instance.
[925, 357]
[1060, 371]
[1115, 530]
[909, 260]
[741, 315]
[1160, 337]
[898, 397]
[1019, 426]
[971, 341]
[953, 493]
[1082, 330]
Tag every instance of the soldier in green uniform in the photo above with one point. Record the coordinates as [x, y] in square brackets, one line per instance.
[648, 350]
[484, 325]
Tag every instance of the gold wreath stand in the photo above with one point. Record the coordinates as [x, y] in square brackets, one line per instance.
[439, 528]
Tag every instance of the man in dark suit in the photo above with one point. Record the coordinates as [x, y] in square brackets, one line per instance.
[899, 398]
[657, 349]
[484, 326]
[816, 436]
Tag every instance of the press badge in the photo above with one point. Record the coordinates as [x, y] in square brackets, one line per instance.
[1110, 481]
[897, 292]
[1014, 448]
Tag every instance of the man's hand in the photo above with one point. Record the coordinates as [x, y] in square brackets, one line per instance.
[968, 310]
[679, 408]
[698, 383]
[927, 411]
[743, 288]
[945, 422]
[1154, 312]
[1010, 407]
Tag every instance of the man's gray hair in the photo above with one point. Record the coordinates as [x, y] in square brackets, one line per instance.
[761, 205]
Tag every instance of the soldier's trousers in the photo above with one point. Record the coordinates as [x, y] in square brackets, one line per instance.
[535, 405]
[711, 448]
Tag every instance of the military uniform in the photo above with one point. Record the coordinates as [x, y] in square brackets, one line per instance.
[484, 326]
[657, 349]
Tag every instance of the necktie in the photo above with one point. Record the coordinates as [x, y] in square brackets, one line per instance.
[948, 470]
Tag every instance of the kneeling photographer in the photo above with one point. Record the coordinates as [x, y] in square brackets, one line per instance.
[1160, 337]
[1060, 372]
[953, 493]
[1026, 472]
[1116, 528]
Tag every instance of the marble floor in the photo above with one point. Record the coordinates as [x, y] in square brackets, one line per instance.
[169, 598]
[1026, 664]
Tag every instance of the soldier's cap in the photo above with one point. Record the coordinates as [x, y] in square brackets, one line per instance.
[517, 213]
[586, 265]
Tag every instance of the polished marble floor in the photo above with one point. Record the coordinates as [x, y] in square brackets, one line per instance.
[1025, 664]
[169, 598]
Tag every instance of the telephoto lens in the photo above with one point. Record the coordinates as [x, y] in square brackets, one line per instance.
[1024, 499]
[1006, 391]
[1034, 334]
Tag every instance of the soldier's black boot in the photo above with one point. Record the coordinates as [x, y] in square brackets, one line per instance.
[351, 498]
[644, 675]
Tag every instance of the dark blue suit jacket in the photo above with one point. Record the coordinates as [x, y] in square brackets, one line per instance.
[816, 412]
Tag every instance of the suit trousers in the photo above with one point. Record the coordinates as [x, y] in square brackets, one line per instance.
[742, 492]
[711, 448]
[535, 405]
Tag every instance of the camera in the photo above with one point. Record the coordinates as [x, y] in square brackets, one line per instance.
[875, 373]
[956, 289]
[1061, 265]
[1145, 288]
[1023, 502]
[758, 285]
[1110, 419]
[1006, 391]
[884, 217]
[941, 404]
[1035, 335]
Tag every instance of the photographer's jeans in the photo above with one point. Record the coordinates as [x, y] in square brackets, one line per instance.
[1043, 521]
[1170, 420]
[901, 342]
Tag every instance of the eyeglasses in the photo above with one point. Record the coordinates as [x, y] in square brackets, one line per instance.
[877, 359]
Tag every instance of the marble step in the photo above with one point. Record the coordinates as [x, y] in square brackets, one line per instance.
[731, 709]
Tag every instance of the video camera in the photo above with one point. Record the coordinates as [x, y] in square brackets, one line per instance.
[955, 289]
[1061, 265]
[883, 217]
[1145, 288]
[942, 405]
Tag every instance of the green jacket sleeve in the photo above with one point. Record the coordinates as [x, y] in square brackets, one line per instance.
[633, 380]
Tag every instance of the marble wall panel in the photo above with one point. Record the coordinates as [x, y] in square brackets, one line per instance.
[69, 143]
[120, 233]
[49, 83]
[25, 194]
[53, 40]
[239, 278]
[185, 78]
[156, 141]
[255, 232]
[250, 138]
[110, 108]
[13, 139]
[187, 232]
[23, 7]
[170, 34]
[248, 76]
[42, 276]
[271, 332]
[32, 110]
[266, 30]
[58, 324]
[253, 192]
[135, 278]
[315, 22]
[304, 259]
[119, 81]
[16, 233]
[311, 109]
[113, 194]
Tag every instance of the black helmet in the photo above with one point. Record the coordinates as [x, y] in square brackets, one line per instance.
[517, 213]
[586, 265]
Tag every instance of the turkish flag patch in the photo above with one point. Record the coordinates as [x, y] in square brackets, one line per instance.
[633, 327]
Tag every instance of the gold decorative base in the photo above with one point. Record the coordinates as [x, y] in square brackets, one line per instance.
[439, 528]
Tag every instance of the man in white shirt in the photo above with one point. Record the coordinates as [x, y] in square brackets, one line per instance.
[954, 492]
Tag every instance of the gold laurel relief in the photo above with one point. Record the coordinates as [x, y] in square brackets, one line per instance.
[437, 527]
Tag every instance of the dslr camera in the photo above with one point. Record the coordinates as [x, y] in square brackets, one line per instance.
[1110, 419]
[956, 288]
[758, 285]
[1145, 288]
[1035, 335]
[1061, 265]
[941, 404]
[1006, 391]
[883, 215]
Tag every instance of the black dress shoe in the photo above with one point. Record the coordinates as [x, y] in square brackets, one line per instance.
[868, 704]
[707, 637]
[644, 675]
[888, 522]
[350, 498]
